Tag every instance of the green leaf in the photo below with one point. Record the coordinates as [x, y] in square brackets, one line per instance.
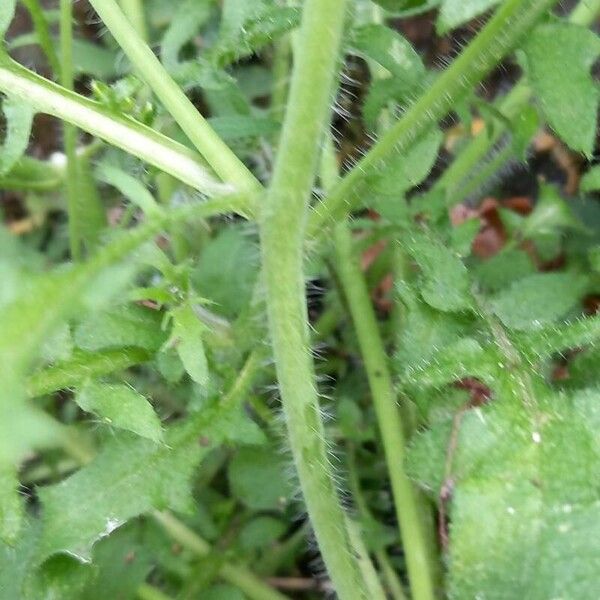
[120, 406]
[19, 117]
[257, 478]
[235, 127]
[387, 188]
[445, 281]
[524, 508]
[126, 325]
[130, 187]
[7, 12]
[131, 476]
[539, 299]
[390, 50]
[590, 182]
[456, 12]
[504, 268]
[558, 62]
[227, 270]
[188, 331]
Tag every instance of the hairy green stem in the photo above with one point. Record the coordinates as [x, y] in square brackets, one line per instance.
[282, 237]
[512, 20]
[122, 132]
[40, 24]
[420, 569]
[220, 157]
[72, 372]
[237, 575]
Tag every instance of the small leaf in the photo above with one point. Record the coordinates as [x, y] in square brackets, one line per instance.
[19, 117]
[130, 187]
[188, 331]
[551, 213]
[122, 407]
[558, 62]
[456, 12]
[446, 284]
[539, 299]
[389, 49]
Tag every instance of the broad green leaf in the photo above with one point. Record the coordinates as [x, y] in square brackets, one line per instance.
[227, 270]
[390, 50]
[445, 281]
[131, 476]
[125, 325]
[130, 187]
[524, 508]
[188, 332]
[456, 12]
[558, 62]
[257, 478]
[19, 118]
[504, 268]
[7, 12]
[539, 299]
[590, 182]
[122, 407]
[261, 532]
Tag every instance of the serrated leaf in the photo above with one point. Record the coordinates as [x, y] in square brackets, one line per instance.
[126, 325]
[445, 281]
[122, 407]
[539, 299]
[19, 118]
[558, 62]
[131, 476]
[456, 12]
[188, 332]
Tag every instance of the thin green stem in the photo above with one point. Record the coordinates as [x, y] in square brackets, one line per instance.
[122, 132]
[225, 163]
[237, 575]
[282, 237]
[512, 20]
[74, 203]
[40, 24]
[416, 548]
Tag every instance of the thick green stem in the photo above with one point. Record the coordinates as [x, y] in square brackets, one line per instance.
[282, 236]
[420, 569]
[237, 575]
[512, 20]
[213, 149]
[122, 132]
